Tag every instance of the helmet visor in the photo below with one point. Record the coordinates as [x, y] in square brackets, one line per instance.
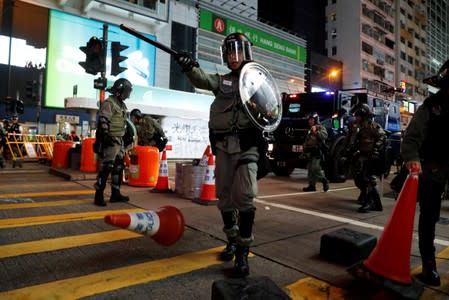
[236, 50]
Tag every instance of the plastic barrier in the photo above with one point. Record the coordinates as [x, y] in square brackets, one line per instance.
[88, 157]
[61, 150]
[144, 166]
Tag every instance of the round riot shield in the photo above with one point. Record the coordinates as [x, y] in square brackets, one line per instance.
[260, 96]
[130, 137]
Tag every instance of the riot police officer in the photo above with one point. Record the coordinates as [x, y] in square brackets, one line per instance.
[234, 140]
[149, 131]
[364, 146]
[15, 128]
[314, 147]
[110, 133]
[424, 152]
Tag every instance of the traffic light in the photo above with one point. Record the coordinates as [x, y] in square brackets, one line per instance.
[95, 56]
[116, 59]
[31, 89]
[13, 106]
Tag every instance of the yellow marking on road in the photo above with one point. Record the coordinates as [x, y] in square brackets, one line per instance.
[311, 288]
[42, 204]
[110, 280]
[48, 194]
[46, 245]
[31, 221]
[20, 185]
[436, 293]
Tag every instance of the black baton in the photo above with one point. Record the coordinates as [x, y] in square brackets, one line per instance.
[142, 37]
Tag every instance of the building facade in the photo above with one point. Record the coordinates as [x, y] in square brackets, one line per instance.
[43, 38]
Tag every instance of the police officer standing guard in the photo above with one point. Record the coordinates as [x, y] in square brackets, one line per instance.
[424, 151]
[314, 147]
[111, 147]
[234, 140]
[364, 146]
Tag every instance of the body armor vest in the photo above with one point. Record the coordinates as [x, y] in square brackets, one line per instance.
[118, 120]
[227, 112]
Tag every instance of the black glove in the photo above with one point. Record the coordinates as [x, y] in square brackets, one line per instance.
[186, 61]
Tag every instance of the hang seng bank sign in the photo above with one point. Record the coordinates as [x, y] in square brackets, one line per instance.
[214, 23]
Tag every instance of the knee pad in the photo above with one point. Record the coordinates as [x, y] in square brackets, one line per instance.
[245, 242]
[231, 233]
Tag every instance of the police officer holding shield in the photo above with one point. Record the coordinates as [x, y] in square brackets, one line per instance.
[110, 144]
[235, 140]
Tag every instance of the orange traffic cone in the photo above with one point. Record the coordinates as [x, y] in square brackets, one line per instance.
[208, 194]
[391, 256]
[166, 226]
[205, 159]
[162, 184]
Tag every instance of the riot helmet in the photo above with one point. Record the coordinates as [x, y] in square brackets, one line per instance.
[441, 79]
[363, 111]
[136, 113]
[122, 88]
[237, 44]
[315, 117]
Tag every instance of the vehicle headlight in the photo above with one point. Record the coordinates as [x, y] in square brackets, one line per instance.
[270, 147]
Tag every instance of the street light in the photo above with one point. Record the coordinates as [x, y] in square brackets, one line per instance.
[332, 76]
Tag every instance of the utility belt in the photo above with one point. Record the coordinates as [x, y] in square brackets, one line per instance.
[220, 136]
[248, 137]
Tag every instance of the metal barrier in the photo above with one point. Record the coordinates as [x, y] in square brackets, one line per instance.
[22, 147]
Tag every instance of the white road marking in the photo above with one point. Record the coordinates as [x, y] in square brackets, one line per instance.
[328, 216]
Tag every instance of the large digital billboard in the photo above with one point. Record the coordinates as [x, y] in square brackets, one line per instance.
[67, 33]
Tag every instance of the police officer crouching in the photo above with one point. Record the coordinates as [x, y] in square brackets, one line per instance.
[110, 143]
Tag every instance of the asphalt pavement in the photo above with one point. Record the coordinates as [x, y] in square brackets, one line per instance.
[54, 242]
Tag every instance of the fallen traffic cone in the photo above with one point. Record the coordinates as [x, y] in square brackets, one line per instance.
[162, 184]
[391, 256]
[166, 226]
[208, 193]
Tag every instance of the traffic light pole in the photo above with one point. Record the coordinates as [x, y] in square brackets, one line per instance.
[103, 72]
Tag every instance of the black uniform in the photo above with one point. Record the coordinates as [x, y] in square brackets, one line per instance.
[422, 142]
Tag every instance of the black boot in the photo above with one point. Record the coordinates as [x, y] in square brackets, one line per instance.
[116, 181]
[241, 266]
[310, 188]
[366, 207]
[99, 198]
[376, 202]
[362, 197]
[325, 185]
[231, 230]
[116, 196]
[429, 274]
[100, 184]
[229, 251]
